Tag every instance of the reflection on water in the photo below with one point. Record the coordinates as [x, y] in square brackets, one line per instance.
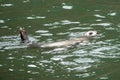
[64, 22]
[10, 42]
[36, 17]
[66, 6]
[50, 21]
[6, 5]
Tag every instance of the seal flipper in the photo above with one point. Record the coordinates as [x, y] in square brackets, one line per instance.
[23, 35]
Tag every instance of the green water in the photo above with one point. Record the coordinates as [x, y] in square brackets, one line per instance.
[57, 20]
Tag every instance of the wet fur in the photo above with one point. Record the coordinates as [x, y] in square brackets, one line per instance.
[66, 43]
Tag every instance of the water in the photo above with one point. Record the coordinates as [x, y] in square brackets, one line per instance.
[53, 20]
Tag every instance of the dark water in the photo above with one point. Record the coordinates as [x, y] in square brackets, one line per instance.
[56, 20]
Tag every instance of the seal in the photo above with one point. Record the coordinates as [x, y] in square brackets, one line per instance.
[66, 43]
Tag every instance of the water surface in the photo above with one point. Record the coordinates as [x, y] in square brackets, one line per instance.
[53, 20]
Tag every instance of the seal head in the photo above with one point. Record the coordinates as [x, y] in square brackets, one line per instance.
[91, 34]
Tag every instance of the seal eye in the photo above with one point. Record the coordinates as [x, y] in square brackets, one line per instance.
[90, 33]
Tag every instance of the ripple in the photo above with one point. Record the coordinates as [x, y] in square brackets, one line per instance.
[79, 68]
[112, 14]
[14, 47]
[83, 75]
[63, 22]
[26, 1]
[67, 63]
[35, 72]
[1, 65]
[62, 33]
[2, 21]
[42, 31]
[6, 5]
[67, 7]
[50, 70]
[55, 51]
[46, 34]
[84, 60]
[108, 50]
[30, 57]
[60, 57]
[11, 69]
[97, 10]
[10, 42]
[104, 77]
[99, 20]
[32, 65]
[99, 16]
[36, 17]
[101, 24]
[11, 58]
[45, 61]
[80, 28]
[5, 27]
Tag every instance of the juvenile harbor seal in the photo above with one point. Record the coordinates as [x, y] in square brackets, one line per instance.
[66, 43]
